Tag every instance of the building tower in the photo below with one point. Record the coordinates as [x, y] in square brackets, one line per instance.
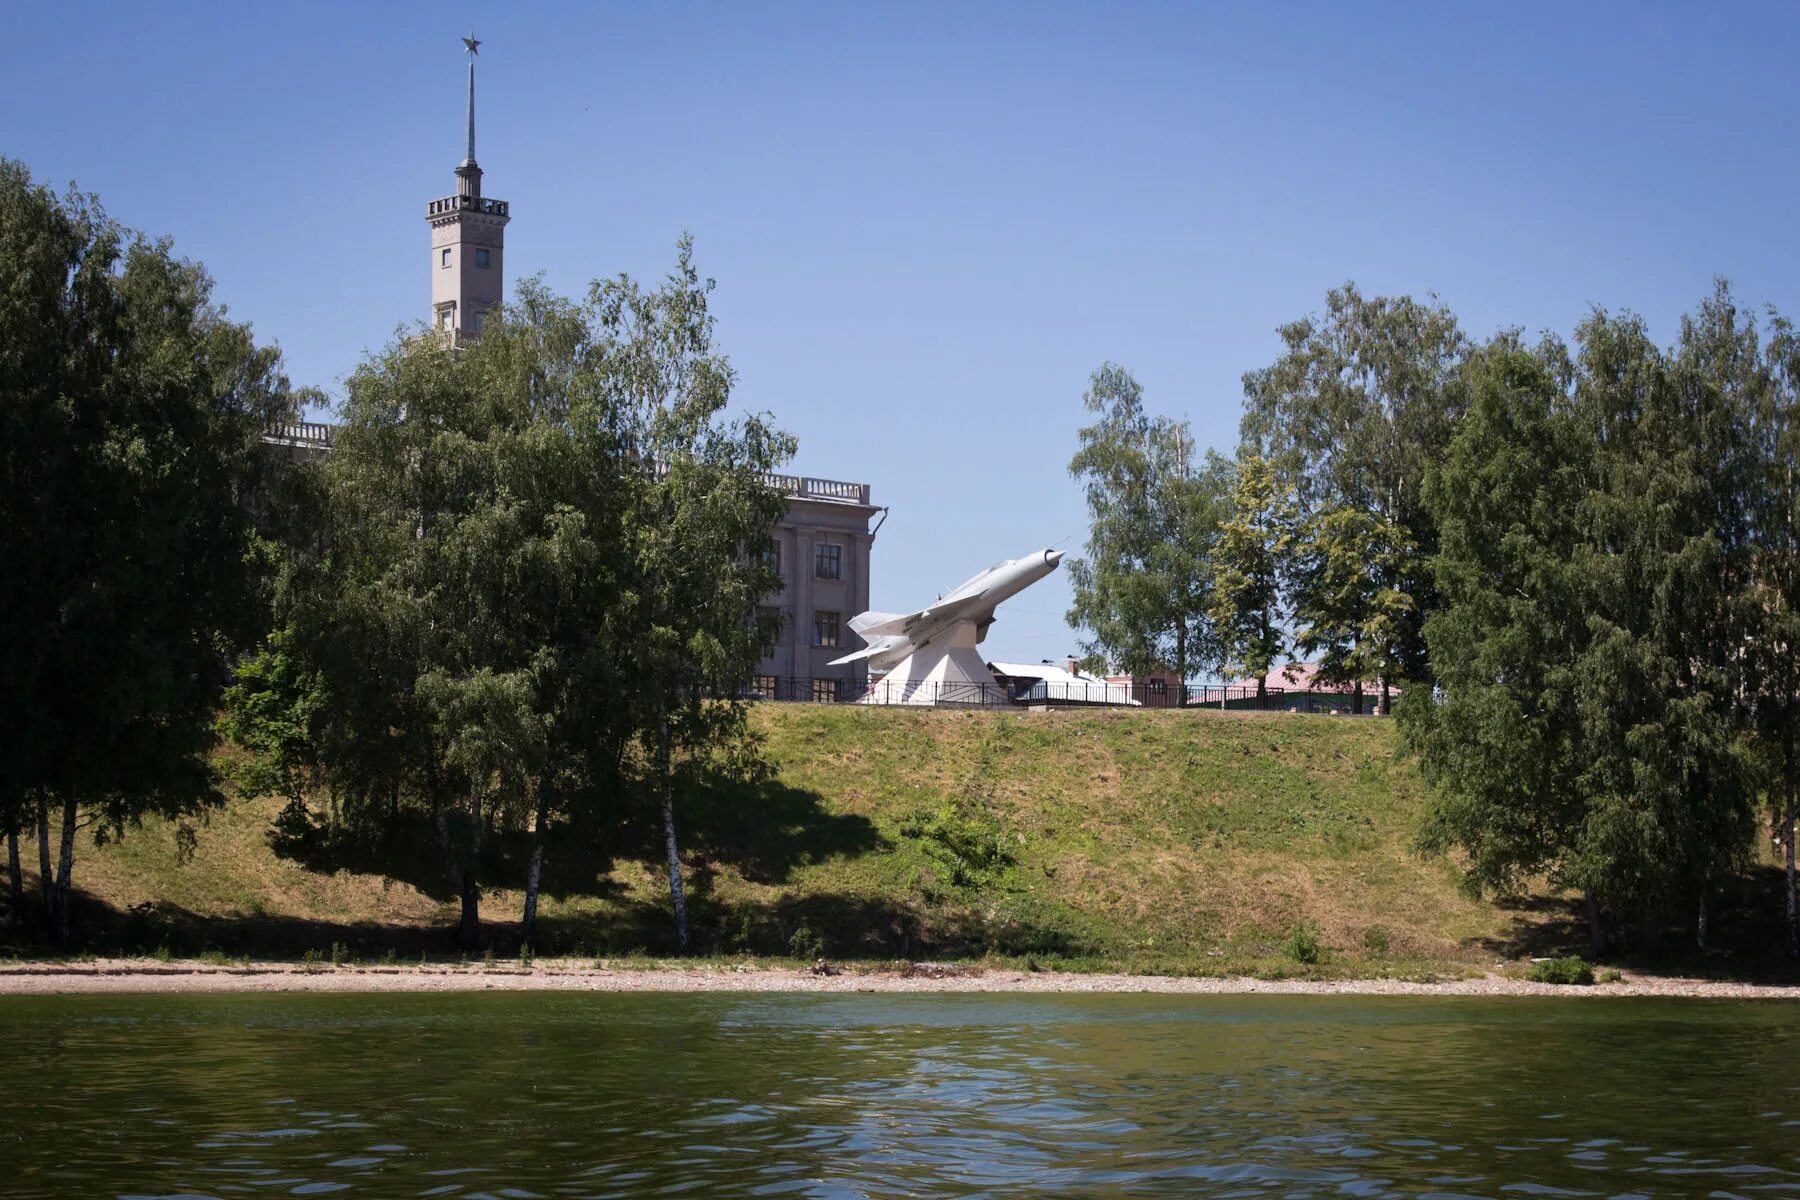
[468, 242]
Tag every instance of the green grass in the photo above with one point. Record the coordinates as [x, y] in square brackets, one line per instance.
[1166, 842]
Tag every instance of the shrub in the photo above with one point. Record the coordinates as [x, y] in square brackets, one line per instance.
[340, 954]
[963, 837]
[1571, 971]
[1375, 940]
[806, 943]
[1303, 944]
[526, 957]
[1610, 976]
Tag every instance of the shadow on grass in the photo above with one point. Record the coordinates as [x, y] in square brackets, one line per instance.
[822, 924]
[765, 831]
[1745, 938]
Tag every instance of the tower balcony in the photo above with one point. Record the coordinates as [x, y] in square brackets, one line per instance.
[451, 205]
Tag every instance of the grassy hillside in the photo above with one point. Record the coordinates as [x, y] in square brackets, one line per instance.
[1194, 841]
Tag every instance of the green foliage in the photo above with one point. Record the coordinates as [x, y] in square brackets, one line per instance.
[539, 551]
[1351, 416]
[268, 711]
[964, 834]
[1304, 944]
[805, 942]
[1610, 975]
[1375, 940]
[131, 414]
[1144, 591]
[1597, 559]
[340, 954]
[1254, 542]
[965, 839]
[1349, 612]
[1571, 972]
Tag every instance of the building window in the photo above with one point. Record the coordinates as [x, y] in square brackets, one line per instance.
[1159, 686]
[444, 257]
[825, 628]
[446, 316]
[828, 562]
[769, 617]
[481, 258]
[762, 688]
[825, 691]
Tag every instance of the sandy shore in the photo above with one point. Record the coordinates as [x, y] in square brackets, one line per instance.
[139, 976]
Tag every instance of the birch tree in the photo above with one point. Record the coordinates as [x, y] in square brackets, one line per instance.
[131, 416]
[1775, 605]
[701, 508]
[1361, 400]
[1254, 545]
[1144, 589]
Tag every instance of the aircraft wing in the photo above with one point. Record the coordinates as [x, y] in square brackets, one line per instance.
[948, 610]
[866, 652]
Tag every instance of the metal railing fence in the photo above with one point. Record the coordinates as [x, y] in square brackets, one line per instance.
[1026, 693]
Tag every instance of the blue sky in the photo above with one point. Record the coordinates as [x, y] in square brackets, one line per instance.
[929, 223]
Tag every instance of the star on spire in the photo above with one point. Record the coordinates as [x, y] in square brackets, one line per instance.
[473, 46]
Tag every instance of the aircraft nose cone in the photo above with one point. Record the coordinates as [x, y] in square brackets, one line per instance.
[1053, 556]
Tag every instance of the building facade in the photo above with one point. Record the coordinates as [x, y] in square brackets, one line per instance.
[468, 242]
[822, 549]
[823, 543]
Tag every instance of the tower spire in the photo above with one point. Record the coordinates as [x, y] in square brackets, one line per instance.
[468, 240]
[474, 48]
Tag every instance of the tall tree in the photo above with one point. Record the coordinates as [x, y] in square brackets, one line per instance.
[131, 416]
[1499, 740]
[1666, 566]
[1253, 546]
[1359, 403]
[1591, 712]
[1775, 605]
[1345, 569]
[1144, 592]
[700, 515]
[472, 500]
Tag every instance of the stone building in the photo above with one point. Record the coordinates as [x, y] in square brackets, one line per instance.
[468, 242]
[824, 541]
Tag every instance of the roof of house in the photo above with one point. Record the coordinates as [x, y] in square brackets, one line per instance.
[1048, 672]
[1304, 677]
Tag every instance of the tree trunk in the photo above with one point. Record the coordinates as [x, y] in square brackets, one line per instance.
[15, 879]
[1387, 699]
[1787, 836]
[60, 927]
[468, 929]
[1262, 691]
[1702, 917]
[1356, 698]
[676, 896]
[1181, 674]
[46, 879]
[1596, 927]
[536, 872]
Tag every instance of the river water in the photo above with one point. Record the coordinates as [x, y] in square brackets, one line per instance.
[521, 1095]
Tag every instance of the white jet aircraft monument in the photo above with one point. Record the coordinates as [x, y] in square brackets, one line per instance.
[931, 653]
